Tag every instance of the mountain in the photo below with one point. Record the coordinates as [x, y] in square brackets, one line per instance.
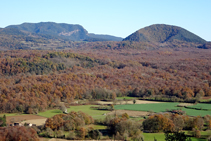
[161, 33]
[73, 32]
[70, 31]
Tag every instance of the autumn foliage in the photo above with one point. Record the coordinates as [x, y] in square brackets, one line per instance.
[33, 81]
[68, 122]
[17, 133]
[157, 123]
[172, 123]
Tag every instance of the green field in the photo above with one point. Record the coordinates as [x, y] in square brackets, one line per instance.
[155, 107]
[161, 107]
[96, 114]
[201, 106]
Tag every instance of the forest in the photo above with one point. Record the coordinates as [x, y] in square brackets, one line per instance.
[50, 77]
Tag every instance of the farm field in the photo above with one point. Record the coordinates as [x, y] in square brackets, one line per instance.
[34, 119]
[161, 107]
[96, 114]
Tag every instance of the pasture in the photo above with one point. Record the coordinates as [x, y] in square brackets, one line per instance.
[201, 106]
[162, 107]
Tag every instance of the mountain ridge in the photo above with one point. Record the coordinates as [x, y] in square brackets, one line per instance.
[73, 32]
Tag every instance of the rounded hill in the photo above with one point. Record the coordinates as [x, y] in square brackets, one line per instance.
[163, 33]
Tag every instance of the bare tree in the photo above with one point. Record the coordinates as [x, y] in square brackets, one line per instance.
[63, 108]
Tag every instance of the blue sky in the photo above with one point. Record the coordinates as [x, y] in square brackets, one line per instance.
[113, 17]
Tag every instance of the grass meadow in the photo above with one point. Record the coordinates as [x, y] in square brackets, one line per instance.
[201, 106]
[162, 107]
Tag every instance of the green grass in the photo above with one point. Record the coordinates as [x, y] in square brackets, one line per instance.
[50, 113]
[99, 127]
[193, 112]
[201, 106]
[161, 107]
[96, 114]
[161, 137]
[155, 107]
[151, 136]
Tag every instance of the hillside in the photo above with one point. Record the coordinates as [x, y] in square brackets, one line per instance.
[12, 38]
[73, 32]
[206, 46]
[160, 33]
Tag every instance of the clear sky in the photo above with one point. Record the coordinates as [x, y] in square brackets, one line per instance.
[113, 17]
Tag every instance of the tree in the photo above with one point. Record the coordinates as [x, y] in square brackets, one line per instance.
[82, 132]
[178, 122]
[198, 123]
[157, 123]
[134, 101]
[3, 121]
[63, 108]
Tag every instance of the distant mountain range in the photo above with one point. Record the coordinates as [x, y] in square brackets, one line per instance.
[161, 33]
[49, 35]
[69, 31]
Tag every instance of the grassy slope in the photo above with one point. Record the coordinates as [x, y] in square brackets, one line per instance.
[96, 114]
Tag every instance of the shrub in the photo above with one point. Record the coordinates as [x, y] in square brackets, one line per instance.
[59, 134]
[49, 132]
[70, 136]
[95, 134]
